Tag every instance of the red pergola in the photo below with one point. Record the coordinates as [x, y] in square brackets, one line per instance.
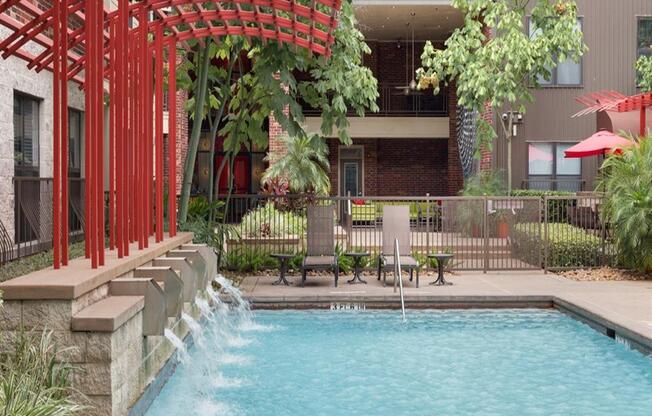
[120, 55]
[615, 101]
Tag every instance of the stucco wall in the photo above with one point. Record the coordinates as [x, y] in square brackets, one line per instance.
[14, 76]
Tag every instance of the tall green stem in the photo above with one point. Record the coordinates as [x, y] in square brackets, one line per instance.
[193, 143]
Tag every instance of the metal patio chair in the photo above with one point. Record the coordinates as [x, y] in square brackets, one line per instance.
[320, 249]
[396, 226]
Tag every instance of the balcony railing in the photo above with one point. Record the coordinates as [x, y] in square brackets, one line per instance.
[394, 102]
[33, 214]
[559, 184]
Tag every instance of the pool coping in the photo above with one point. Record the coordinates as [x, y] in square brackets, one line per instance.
[605, 325]
[599, 320]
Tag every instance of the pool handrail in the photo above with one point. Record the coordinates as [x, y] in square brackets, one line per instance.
[397, 275]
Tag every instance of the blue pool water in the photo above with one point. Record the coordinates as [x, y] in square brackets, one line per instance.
[525, 362]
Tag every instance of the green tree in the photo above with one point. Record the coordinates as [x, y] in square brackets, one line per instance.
[644, 70]
[501, 70]
[239, 102]
[304, 165]
[628, 207]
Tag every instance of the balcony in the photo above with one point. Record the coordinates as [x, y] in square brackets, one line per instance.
[393, 102]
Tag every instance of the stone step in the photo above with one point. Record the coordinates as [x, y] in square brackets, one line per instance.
[209, 257]
[154, 312]
[185, 271]
[171, 284]
[108, 314]
[196, 260]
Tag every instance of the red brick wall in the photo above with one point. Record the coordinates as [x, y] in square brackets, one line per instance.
[398, 167]
[455, 175]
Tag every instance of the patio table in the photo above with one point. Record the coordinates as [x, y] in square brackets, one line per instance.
[283, 260]
[357, 269]
[442, 260]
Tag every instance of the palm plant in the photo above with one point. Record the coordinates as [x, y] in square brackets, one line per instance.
[628, 207]
[304, 165]
[33, 381]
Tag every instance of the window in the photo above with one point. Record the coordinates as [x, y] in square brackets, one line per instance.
[26, 135]
[548, 169]
[75, 138]
[567, 72]
[643, 37]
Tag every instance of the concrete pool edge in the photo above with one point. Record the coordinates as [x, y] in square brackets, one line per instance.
[600, 320]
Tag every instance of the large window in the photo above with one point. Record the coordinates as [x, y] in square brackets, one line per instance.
[75, 138]
[548, 169]
[26, 135]
[644, 37]
[565, 73]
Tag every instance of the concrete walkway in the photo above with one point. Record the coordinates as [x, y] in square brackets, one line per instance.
[623, 307]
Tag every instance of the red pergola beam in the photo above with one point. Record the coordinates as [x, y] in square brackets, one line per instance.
[122, 54]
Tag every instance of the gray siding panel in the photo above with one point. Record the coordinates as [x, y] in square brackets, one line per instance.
[610, 33]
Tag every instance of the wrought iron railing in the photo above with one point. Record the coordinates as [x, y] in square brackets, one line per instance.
[483, 233]
[559, 184]
[33, 215]
[395, 101]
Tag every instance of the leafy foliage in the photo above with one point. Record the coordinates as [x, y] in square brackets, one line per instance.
[268, 221]
[483, 183]
[501, 69]
[33, 380]
[644, 70]
[304, 165]
[205, 221]
[567, 246]
[628, 207]
[266, 85]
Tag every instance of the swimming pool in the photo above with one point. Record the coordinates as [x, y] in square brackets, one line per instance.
[453, 362]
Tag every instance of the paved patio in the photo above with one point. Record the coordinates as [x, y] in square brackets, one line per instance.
[625, 306]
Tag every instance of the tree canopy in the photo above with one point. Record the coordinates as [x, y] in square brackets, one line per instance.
[495, 60]
[256, 79]
[644, 69]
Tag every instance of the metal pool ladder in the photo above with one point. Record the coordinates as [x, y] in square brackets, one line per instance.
[397, 275]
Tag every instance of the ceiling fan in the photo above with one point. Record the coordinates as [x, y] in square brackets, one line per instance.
[410, 86]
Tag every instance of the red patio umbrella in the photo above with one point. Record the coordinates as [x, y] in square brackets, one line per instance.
[600, 143]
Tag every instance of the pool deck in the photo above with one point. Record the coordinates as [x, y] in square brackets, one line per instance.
[623, 307]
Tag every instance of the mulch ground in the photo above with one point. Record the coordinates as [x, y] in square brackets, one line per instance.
[604, 274]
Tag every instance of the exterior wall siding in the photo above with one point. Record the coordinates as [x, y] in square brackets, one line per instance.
[398, 167]
[15, 77]
[610, 33]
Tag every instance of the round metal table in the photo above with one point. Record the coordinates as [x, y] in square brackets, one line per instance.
[283, 260]
[357, 269]
[442, 260]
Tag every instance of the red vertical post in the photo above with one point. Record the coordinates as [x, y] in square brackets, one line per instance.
[64, 131]
[99, 28]
[159, 133]
[56, 135]
[112, 133]
[643, 121]
[90, 75]
[87, 139]
[172, 137]
[149, 145]
[139, 129]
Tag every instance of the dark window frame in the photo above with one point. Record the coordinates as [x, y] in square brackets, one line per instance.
[72, 169]
[554, 177]
[554, 79]
[636, 54]
[20, 169]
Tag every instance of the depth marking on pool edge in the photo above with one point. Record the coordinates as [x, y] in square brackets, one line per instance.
[347, 306]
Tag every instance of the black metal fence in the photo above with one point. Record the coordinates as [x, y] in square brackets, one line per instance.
[484, 233]
[33, 217]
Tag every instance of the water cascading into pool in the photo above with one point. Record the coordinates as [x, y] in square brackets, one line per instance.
[204, 308]
[178, 344]
[195, 327]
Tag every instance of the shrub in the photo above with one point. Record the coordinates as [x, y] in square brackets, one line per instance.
[32, 379]
[628, 203]
[267, 221]
[557, 208]
[567, 245]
